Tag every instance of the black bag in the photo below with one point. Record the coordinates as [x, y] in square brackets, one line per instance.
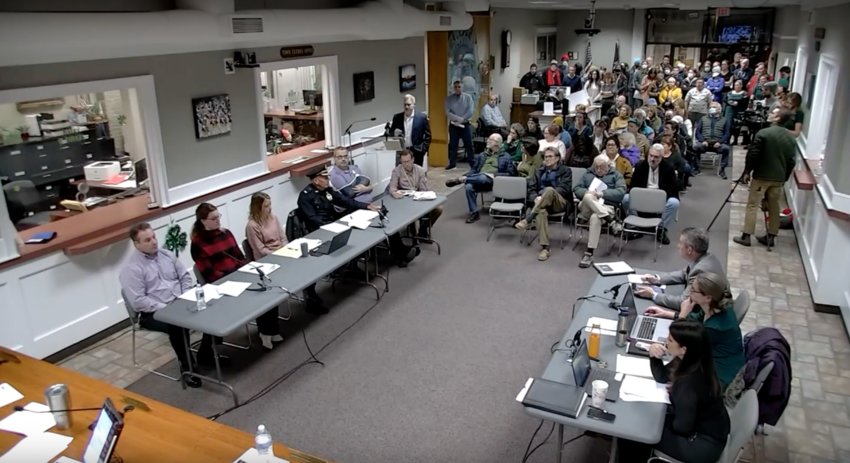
[295, 226]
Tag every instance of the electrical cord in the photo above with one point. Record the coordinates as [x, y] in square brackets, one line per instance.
[545, 439]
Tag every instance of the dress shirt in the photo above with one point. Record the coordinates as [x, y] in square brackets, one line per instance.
[652, 181]
[408, 129]
[150, 282]
[459, 108]
[492, 116]
[401, 179]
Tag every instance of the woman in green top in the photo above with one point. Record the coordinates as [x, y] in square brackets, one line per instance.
[512, 144]
[710, 303]
[531, 157]
[792, 103]
[736, 102]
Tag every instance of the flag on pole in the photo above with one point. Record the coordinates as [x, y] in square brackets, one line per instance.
[588, 58]
[617, 52]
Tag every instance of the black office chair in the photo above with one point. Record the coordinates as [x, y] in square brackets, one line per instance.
[23, 200]
[246, 248]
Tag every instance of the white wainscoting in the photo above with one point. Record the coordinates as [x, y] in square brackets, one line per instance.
[52, 302]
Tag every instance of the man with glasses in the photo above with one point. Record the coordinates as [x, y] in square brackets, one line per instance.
[348, 179]
[407, 176]
[486, 166]
[414, 127]
[550, 190]
[459, 110]
[601, 189]
[656, 173]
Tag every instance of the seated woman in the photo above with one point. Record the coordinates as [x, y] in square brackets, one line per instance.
[619, 123]
[512, 144]
[618, 163]
[216, 254]
[532, 128]
[697, 425]
[629, 148]
[531, 158]
[551, 138]
[710, 304]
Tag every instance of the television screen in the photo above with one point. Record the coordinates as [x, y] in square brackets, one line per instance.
[735, 34]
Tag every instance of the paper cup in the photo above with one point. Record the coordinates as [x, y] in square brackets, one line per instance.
[599, 391]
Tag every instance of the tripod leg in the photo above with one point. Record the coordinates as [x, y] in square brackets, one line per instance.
[731, 192]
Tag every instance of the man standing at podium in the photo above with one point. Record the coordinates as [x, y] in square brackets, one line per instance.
[415, 128]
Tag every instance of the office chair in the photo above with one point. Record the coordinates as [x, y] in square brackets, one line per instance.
[23, 200]
[741, 305]
[646, 201]
[507, 189]
[136, 326]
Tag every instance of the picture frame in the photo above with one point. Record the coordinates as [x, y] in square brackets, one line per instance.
[364, 86]
[212, 116]
[406, 77]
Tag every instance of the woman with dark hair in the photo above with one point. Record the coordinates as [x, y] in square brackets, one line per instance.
[792, 102]
[531, 157]
[646, 83]
[513, 144]
[533, 128]
[711, 304]
[593, 86]
[216, 254]
[697, 424]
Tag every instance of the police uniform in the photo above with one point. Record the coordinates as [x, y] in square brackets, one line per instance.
[317, 207]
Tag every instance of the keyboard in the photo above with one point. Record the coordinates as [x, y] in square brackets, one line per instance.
[647, 328]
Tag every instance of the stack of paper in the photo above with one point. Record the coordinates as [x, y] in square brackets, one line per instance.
[233, 288]
[37, 447]
[210, 293]
[251, 456]
[424, 196]
[252, 267]
[27, 423]
[635, 366]
[634, 389]
[335, 227]
[598, 186]
[360, 219]
[9, 394]
[609, 327]
[293, 249]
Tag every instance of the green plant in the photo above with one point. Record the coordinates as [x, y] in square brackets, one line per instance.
[22, 128]
[175, 239]
[122, 119]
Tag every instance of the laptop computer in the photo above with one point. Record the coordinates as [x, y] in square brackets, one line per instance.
[585, 374]
[642, 327]
[329, 247]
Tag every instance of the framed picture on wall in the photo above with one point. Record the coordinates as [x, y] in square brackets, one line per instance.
[364, 86]
[406, 77]
[212, 115]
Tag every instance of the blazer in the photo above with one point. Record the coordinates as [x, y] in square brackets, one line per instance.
[667, 179]
[706, 263]
[421, 131]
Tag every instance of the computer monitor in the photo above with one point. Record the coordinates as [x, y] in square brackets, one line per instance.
[140, 167]
[315, 95]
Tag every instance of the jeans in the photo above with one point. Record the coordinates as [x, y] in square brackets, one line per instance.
[175, 337]
[723, 150]
[669, 210]
[476, 183]
[456, 134]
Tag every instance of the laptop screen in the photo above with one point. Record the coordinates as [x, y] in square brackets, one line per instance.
[581, 365]
[629, 302]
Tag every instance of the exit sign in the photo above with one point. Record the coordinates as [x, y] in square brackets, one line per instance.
[723, 11]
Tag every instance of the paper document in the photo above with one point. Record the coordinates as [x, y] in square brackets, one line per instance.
[636, 279]
[424, 196]
[524, 391]
[252, 267]
[27, 423]
[597, 185]
[335, 227]
[320, 151]
[64, 459]
[615, 268]
[38, 447]
[361, 215]
[634, 389]
[210, 293]
[288, 252]
[296, 244]
[251, 456]
[233, 288]
[634, 366]
[609, 327]
[9, 394]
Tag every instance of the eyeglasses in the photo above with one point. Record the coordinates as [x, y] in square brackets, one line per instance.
[550, 156]
[213, 217]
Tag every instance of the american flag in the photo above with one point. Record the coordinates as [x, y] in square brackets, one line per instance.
[617, 52]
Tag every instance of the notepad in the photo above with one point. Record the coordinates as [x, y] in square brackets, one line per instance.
[635, 366]
[252, 267]
[9, 394]
[27, 423]
[210, 293]
[37, 447]
[608, 269]
[608, 327]
[424, 196]
[335, 227]
[635, 389]
[233, 288]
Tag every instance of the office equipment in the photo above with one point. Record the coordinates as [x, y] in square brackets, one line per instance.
[558, 398]
[642, 327]
[584, 374]
[41, 237]
[105, 434]
[329, 247]
[102, 170]
[608, 269]
[312, 98]
[140, 171]
[531, 99]
[599, 414]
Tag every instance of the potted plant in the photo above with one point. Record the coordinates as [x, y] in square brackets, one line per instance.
[24, 131]
[4, 132]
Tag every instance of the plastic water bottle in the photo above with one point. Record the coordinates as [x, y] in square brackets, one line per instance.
[200, 302]
[263, 442]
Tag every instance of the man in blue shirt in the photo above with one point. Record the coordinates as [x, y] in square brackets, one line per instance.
[572, 80]
[459, 109]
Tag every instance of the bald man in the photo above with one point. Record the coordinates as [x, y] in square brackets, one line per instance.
[493, 162]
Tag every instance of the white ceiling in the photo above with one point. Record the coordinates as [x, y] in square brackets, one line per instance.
[629, 4]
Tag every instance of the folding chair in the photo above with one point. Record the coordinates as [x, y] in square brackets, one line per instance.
[136, 326]
[741, 305]
[644, 201]
[580, 222]
[507, 189]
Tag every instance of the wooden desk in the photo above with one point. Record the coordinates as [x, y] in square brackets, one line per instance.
[520, 112]
[312, 125]
[164, 433]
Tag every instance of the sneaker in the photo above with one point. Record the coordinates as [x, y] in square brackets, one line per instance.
[450, 166]
[453, 182]
[722, 174]
[543, 254]
[192, 381]
[473, 217]
[522, 225]
[266, 341]
[586, 260]
[743, 240]
[277, 338]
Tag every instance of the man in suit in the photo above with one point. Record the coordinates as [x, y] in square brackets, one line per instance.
[656, 173]
[415, 128]
[693, 247]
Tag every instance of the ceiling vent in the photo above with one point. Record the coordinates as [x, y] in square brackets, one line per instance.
[247, 25]
[445, 21]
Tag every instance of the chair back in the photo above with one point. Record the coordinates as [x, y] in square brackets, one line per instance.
[647, 200]
[510, 188]
[198, 277]
[22, 197]
[761, 377]
[246, 248]
[578, 173]
[744, 419]
[131, 311]
[741, 305]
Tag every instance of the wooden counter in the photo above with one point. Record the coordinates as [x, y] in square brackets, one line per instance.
[293, 115]
[161, 433]
[109, 224]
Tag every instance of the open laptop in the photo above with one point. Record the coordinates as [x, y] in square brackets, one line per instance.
[642, 327]
[329, 247]
[585, 374]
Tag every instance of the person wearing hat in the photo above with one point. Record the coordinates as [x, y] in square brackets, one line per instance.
[565, 64]
[552, 77]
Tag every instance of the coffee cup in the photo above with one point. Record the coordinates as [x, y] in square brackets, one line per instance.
[598, 393]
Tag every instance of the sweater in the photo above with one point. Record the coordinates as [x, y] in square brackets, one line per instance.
[216, 254]
[771, 154]
[265, 238]
[727, 346]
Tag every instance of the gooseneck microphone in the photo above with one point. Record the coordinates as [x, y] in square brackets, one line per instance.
[616, 292]
[348, 129]
[260, 273]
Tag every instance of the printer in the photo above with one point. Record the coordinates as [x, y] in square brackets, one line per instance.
[531, 98]
[101, 171]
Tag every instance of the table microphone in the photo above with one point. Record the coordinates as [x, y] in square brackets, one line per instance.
[616, 290]
[260, 272]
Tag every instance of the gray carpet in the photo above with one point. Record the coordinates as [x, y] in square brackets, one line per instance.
[430, 374]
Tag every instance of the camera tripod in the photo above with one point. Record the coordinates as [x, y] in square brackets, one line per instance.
[726, 201]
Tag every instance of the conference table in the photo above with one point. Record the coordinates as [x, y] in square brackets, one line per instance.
[153, 431]
[228, 314]
[637, 421]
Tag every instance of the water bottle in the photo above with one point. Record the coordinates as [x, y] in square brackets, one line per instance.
[622, 325]
[200, 302]
[263, 442]
[593, 342]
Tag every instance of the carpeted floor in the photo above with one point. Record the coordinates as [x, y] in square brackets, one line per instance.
[431, 372]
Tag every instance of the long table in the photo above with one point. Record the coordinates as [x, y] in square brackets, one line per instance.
[162, 433]
[228, 314]
[637, 421]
